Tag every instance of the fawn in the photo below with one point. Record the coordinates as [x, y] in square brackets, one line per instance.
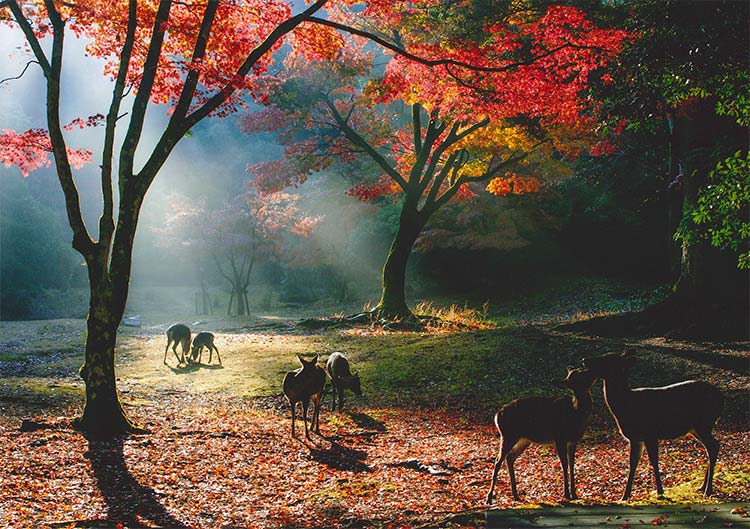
[304, 385]
[201, 340]
[341, 378]
[178, 334]
[558, 420]
[645, 415]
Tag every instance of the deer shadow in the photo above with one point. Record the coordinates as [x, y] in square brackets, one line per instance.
[340, 457]
[192, 368]
[126, 499]
[367, 422]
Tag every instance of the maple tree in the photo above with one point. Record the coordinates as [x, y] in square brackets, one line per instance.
[499, 112]
[246, 230]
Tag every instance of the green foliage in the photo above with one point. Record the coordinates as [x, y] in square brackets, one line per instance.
[721, 214]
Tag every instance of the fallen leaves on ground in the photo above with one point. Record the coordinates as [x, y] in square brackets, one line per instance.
[217, 461]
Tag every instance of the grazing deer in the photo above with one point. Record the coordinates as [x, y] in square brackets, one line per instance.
[341, 378]
[558, 420]
[304, 385]
[201, 340]
[178, 334]
[645, 415]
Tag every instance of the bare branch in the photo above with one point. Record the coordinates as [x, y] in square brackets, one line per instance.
[20, 74]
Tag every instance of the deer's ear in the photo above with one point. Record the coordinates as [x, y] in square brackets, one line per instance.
[315, 360]
[301, 360]
[570, 369]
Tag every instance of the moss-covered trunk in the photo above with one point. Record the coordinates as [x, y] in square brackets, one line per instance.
[103, 416]
[393, 295]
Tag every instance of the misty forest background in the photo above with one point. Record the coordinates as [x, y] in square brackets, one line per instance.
[602, 240]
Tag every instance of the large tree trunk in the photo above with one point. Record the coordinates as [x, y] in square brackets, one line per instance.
[393, 297]
[103, 416]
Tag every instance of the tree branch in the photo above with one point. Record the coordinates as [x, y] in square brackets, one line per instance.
[177, 129]
[133, 134]
[106, 221]
[28, 32]
[199, 51]
[360, 142]
[81, 239]
[443, 62]
[20, 74]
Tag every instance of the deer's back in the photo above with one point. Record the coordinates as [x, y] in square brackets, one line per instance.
[178, 331]
[203, 338]
[338, 366]
[665, 412]
[301, 384]
[541, 419]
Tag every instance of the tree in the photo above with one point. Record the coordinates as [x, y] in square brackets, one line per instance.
[201, 58]
[517, 107]
[248, 229]
[684, 80]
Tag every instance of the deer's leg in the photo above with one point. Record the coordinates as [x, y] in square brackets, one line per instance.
[562, 453]
[174, 350]
[166, 350]
[316, 414]
[341, 396]
[217, 354]
[293, 405]
[652, 449]
[305, 406]
[334, 389]
[712, 450]
[519, 447]
[505, 448]
[571, 448]
[636, 449]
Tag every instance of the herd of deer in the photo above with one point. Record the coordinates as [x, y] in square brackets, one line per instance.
[643, 415]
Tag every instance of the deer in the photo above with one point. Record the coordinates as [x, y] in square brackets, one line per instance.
[304, 385]
[646, 415]
[341, 378]
[177, 334]
[201, 340]
[546, 420]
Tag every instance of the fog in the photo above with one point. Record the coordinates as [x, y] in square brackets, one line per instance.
[207, 167]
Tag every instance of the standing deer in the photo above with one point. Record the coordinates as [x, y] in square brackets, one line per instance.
[304, 385]
[558, 420]
[341, 378]
[178, 334]
[645, 415]
[201, 340]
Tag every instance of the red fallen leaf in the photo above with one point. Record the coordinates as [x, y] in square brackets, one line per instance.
[661, 520]
[738, 510]
[727, 524]
[625, 526]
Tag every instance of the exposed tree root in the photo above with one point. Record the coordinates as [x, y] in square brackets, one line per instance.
[376, 317]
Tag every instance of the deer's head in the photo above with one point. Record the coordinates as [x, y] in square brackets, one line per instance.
[578, 380]
[610, 365]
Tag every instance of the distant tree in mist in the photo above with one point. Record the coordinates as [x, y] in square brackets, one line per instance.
[245, 231]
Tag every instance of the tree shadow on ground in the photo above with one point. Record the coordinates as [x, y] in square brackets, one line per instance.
[128, 502]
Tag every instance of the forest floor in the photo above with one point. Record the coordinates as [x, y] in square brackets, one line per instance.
[415, 451]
